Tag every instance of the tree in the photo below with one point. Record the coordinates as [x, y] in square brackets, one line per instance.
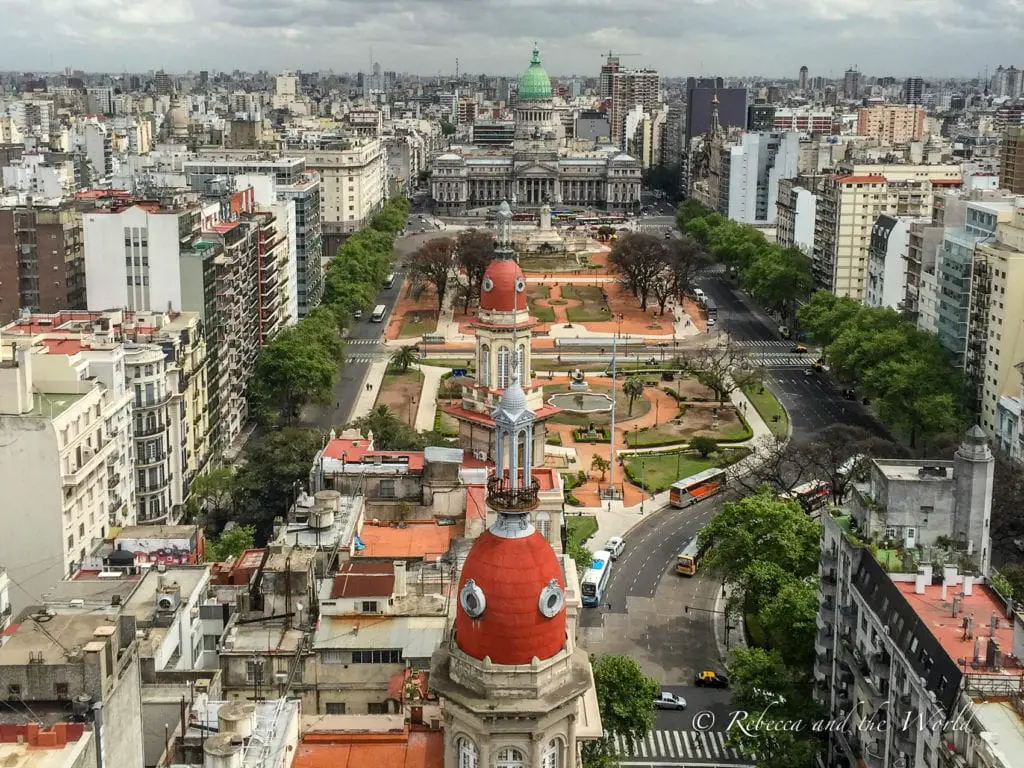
[599, 464]
[704, 446]
[231, 543]
[632, 388]
[434, 263]
[580, 554]
[625, 696]
[447, 129]
[1007, 521]
[391, 434]
[404, 357]
[1013, 574]
[722, 368]
[781, 466]
[825, 315]
[766, 694]
[268, 477]
[474, 251]
[684, 258]
[211, 492]
[639, 259]
[760, 529]
[689, 210]
[790, 620]
[840, 453]
[779, 277]
[605, 231]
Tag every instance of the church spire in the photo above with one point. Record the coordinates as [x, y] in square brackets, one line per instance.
[716, 127]
[503, 225]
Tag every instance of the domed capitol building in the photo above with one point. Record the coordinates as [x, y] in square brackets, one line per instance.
[539, 169]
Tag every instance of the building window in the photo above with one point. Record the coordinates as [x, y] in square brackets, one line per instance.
[13, 691]
[510, 757]
[552, 754]
[469, 757]
[333, 656]
[386, 656]
[335, 707]
[60, 690]
[369, 606]
[387, 489]
[483, 366]
[543, 524]
[377, 708]
[503, 354]
[254, 671]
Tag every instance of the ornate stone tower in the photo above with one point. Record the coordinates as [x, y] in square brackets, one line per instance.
[517, 692]
[503, 331]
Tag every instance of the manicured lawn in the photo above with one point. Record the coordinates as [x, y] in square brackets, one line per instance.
[542, 314]
[769, 407]
[579, 528]
[418, 323]
[535, 292]
[640, 406]
[660, 470]
[546, 264]
[592, 308]
[568, 291]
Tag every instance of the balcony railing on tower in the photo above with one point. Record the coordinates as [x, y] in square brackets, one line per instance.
[502, 496]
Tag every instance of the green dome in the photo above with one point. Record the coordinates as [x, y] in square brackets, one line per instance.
[535, 85]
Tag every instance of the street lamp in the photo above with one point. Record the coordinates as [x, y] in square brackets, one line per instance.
[728, 626]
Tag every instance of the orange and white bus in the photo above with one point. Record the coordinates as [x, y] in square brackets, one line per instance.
[689, 559]
[697, 487]
[812, 496]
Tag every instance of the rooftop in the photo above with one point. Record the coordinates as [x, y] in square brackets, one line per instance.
[895, 469]
[936, 612]
[396, 747]
[1002, 728]
[142, 603]
[52, 405]
[272, 733]
[72, 631]
[272, 637]
[364, 579]
[417, 636]
[418, 539]
[65, 744]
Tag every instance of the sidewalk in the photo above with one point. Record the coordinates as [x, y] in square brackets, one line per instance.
[367, 397]
[432, 376]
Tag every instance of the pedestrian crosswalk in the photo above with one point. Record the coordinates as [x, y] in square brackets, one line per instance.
[361, 359]
[363, 341]
[762, 343]
[781, 360]
[678, 746]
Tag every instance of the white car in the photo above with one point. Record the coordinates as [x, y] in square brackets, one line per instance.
[614, 546]
[669, 701]
[712, 322]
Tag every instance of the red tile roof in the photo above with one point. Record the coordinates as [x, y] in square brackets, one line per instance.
[947, 182]
[860, 179]
[353, 449]
[409, 749]
[457, 411]
[422, 539]
[364, 579]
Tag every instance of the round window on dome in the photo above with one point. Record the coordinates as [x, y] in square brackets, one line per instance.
[472, 599]
[552, 598]
[488, 284]
[520, 285]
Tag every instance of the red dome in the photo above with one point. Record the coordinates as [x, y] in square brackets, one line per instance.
[501, 285]
[511, 575]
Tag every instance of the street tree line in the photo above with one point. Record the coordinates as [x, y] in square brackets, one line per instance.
[905, 371]
[766, 552]
[777, 277]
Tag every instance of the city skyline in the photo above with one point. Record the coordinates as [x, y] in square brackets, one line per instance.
[677, 38]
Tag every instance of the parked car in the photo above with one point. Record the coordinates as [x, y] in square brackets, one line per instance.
[712, 322]
[709, 679]
[669, 701]
[798, 348]
[614, 546]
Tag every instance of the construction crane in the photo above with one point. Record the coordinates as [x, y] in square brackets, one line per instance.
[620, 55]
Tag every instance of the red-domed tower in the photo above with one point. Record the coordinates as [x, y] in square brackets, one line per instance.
[503, 330]
[517, 691]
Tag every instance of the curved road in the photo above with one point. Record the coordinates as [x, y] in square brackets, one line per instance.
[642, 614]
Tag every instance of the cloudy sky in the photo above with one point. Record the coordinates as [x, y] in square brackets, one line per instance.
[676, 37]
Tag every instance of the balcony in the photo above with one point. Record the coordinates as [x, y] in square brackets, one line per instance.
[149, 460]
[113, 480]
[503, 497]
[153, 402]
[881, 663]
[154, 487]
[148, 431]
[91, 460]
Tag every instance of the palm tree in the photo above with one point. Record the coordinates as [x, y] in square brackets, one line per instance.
[404, 357]
[382, 422]
[632, 388]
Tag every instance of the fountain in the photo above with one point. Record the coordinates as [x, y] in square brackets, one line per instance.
[581, 402]
[577, 382]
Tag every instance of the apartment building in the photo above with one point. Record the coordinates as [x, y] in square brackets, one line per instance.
[75, 673]
[995, 348]
[907, 627]
[310, 255]
[887, 256]
[42, 259]
[794, 215]
[44, 176]
[55, 455]
[891, 123]
[955, 270]
[1011, 160]
[354, 182]
[631, 88]
[752, 169]
[155, 368]
[806, 120]
[849, 204]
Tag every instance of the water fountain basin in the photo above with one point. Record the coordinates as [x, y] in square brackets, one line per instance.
[581, 402]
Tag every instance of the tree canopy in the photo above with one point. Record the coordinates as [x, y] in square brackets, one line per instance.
[722, 368]
[652, 267]
[918, 392]
[434, 263]
[625, 696]
[231, 543]
[474, 251]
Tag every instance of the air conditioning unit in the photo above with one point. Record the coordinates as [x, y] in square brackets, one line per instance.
[480, 455]
[168, 598]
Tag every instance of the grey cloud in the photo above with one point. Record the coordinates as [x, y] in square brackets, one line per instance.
[677, 37]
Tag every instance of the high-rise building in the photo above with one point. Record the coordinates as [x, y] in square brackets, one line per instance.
[851, 84]
[162, 85]
[751, 170]
[913, 91]
[850, 202]
[801, 81]
[891, 123]
[887, 256]
[632, 88]
[42, 260]
[1011, 160]
[760, 117]
[732, 105]
[608, 70]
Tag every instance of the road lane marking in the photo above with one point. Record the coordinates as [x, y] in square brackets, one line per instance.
[679, 748]
[661, 744]
[704, 743]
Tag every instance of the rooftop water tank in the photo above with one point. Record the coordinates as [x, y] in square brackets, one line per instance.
[222, 750]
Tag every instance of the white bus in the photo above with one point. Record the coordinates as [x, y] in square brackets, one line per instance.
[596, 578]
[378, 314]
[390, 282]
